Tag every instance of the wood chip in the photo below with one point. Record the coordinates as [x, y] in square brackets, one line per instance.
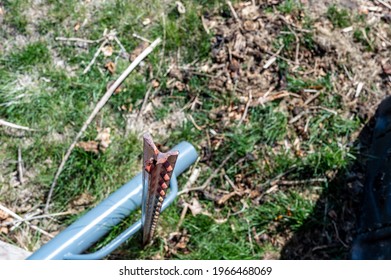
[180, 7]
[347, 29]
[107, 50]
[110, 66]
[226, 197]
[89, 146]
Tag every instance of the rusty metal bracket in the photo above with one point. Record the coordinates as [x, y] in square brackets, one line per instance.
[157, 171]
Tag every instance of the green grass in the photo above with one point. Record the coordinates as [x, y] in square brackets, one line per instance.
[361, 36]
[289, 6]
[36, 91]
[14, 16]
[339, 17]
[32, 55]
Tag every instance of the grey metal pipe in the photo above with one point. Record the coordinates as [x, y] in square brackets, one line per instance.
[82, 234]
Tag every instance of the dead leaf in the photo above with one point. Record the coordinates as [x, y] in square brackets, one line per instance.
[182, 244]
[4, 230]
[195, 207]
[107, 50]
[217, 221]
[179, 85]
[146, 21]
[76, 27]
[181, 8]
[138, 50]
[103, 138]
[177, 241]
[176, 73]
[89, 146]
[83, 199]
[155, 83]
[226, 197]
[3, 215]
[387, 68]
[4, 218]
[249, 12]
[220, 221]
[110, 66]
[234, 65]
[250, 25]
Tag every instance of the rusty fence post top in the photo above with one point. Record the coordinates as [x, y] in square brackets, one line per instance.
[157, 172]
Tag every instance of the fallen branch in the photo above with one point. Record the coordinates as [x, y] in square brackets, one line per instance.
[36, 218]
[97, 108]
[95, 56]
[183, 214]
[141, 38]
[80, 40]
[233, 11]
[20, 166]
[250, 97]
[273, 58]
[19, 218]
[207, 182]
[146, 96]
[384, 4]
[5, 123]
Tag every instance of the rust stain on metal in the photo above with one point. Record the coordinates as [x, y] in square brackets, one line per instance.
[158, 168]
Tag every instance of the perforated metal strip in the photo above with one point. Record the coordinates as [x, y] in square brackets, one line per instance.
[158, 168]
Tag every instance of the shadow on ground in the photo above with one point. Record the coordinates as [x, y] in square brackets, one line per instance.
[329, 231]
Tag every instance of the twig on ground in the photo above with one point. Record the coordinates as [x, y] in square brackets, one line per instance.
[194, 123]
[301, 182]
[249, 236]
[204, 25]
[80, 40]
[297, 51]
[19, 218]
[120, 44]
[267, 98]
[207, 182]
[384, 4]
[245, 206]
[270, 181]
[307, 124]
[141, 38]
[95, 56]
[97, 108]
[146, 96]
[20, 166]
[163, 45]
[312, 98]
[337, 235]
[193, 177]
[36, 218]
[347, 29]
[5, 123]
[298, 117]
[230, 182]
[183, 215]
[272, 59]
[280, 57]
[359, 89]
[250, 97]
[325, 109]
[233, 11]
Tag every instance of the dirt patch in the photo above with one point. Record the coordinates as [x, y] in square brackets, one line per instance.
[246, 50]
[140, 123]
